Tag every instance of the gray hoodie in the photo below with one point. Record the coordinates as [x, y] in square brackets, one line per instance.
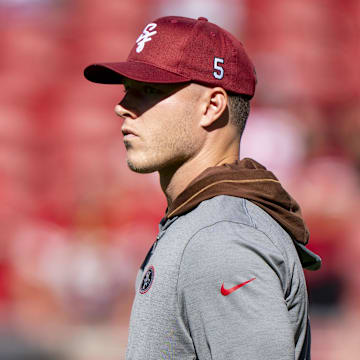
[224, 278]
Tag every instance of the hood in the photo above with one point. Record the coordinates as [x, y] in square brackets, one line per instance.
[250, 180]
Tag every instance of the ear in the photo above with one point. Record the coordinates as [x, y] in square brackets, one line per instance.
[215, 102]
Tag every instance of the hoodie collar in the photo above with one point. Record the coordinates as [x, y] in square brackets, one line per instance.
[250, 180]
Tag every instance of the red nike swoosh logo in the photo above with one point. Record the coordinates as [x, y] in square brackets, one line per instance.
[226, 292]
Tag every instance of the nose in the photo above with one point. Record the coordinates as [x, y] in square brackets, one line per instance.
[123, 112]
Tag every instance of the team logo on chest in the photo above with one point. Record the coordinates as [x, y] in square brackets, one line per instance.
[145, 36]
[147, 280]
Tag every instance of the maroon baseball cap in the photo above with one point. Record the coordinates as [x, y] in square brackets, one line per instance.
[176, 49]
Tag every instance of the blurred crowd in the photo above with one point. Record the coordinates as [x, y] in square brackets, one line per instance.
[76, 222]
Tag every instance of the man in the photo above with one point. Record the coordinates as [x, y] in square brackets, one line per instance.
[224, 278]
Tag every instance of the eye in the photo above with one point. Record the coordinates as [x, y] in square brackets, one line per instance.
[128, 87]
[151, 90]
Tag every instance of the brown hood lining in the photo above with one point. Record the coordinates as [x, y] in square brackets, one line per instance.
[192, 197]
[250, 180]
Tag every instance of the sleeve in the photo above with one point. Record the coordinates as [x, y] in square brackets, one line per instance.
[246, 320]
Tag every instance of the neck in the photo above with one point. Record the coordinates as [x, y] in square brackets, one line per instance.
[173, 181]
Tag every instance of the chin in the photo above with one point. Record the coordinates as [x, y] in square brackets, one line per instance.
[146, 165]
[141, 168]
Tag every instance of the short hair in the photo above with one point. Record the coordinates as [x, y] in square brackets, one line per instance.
[239, 110]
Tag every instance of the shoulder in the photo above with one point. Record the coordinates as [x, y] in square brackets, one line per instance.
[233, 234]
[229, 217]
[231, 246]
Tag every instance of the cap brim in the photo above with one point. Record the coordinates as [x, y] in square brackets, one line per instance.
[114, 73]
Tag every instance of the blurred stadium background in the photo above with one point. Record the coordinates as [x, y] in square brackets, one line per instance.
[76, 223]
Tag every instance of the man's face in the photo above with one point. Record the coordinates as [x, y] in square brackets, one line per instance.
[163, 120]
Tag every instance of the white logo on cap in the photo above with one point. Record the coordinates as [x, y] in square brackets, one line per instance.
[145, 36]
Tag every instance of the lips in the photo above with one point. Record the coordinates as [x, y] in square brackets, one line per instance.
[128, 132]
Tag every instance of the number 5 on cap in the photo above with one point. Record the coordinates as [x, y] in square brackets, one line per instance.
[219, 73]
